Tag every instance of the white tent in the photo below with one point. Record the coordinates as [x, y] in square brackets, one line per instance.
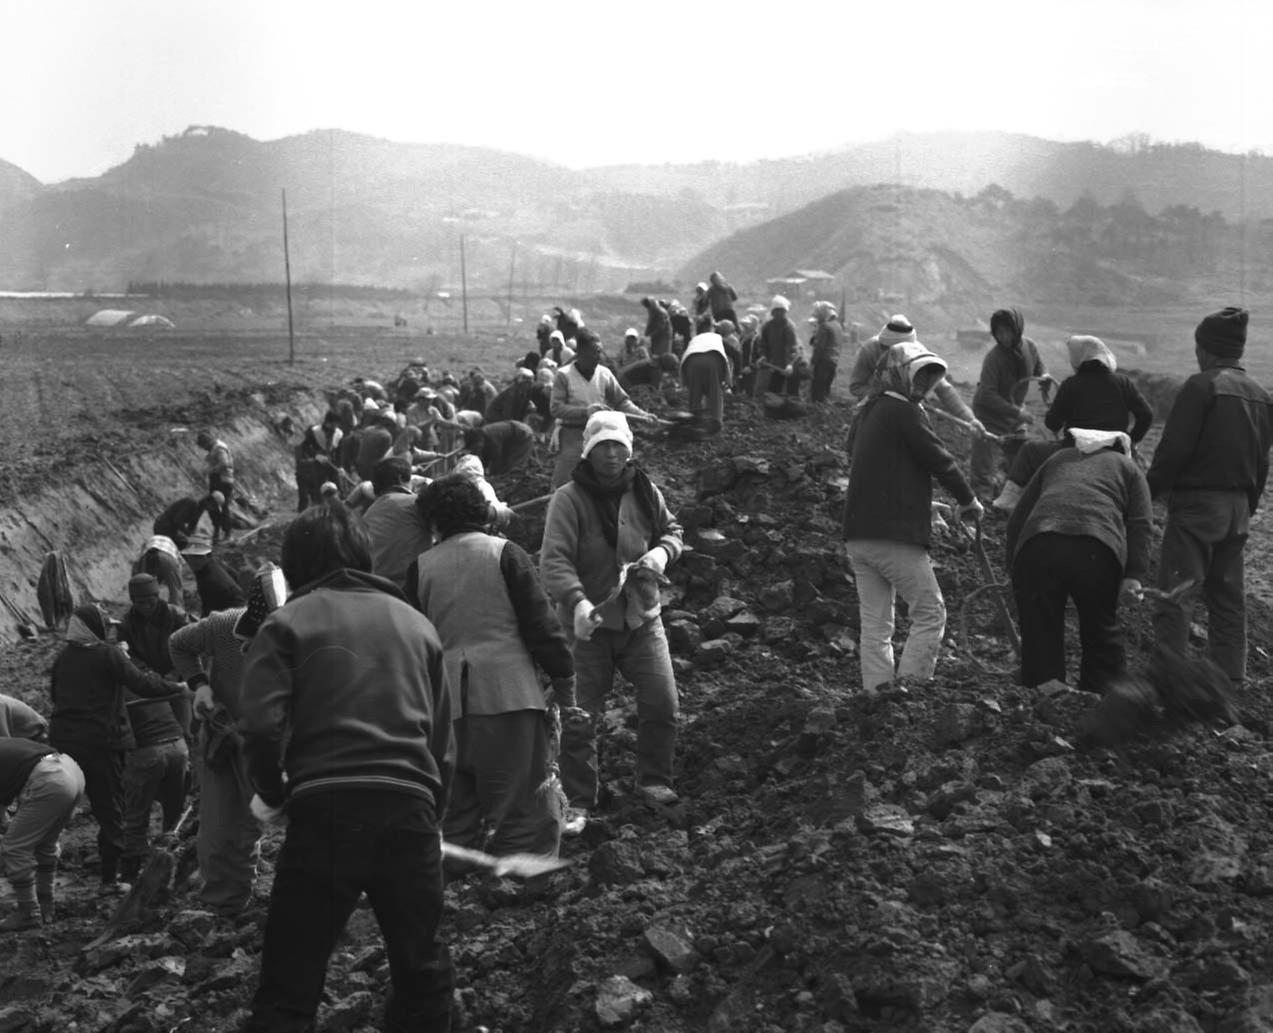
[110, 317]
[157, 322]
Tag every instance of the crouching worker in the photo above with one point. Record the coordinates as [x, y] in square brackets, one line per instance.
[610, 518]
[483, 595]
[46, 785]
[346, 716]
[1081, 531]
[888, 516]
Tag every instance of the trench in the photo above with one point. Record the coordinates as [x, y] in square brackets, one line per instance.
[99, 510]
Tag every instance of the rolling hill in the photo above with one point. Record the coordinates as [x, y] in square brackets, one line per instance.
[204, 206]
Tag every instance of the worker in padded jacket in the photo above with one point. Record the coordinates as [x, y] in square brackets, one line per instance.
[611, 518]
[499, 630]
[1212, 463]
[888, 519]
[345, 710]
[90, 723]
[1001, 390]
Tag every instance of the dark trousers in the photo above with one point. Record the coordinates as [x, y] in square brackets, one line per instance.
[151, 773]
[823, 375]
[1050, 569]
[503, 797]
[339, 846]
[103, 769]
[703, 374]
[1205, 539]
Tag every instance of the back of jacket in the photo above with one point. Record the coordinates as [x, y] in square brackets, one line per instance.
[1217, 436]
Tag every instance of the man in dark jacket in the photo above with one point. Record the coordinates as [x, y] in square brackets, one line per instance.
[658, 327]
[216, 586]
[824, 349]
[720, 299]
[396, 532]
[1212, 462]
[156, 768]
[777, 349]
[346, 716]
[178, 521]
[1001, 390]
[514, 402]
[888, 519]
[503, 447]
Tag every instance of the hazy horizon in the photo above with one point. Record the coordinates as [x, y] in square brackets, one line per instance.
[581, 85]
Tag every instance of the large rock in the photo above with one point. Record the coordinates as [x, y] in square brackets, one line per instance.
[713, 652]
[617, 863]
[955, 723]
[721, 609]
[1119, 953]
[997, 1022]
[672, 945]
[778, 597]
[619, 1001]
[683, 637]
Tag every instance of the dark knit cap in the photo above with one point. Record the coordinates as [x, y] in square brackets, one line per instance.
[142, 585]
[1223, 333]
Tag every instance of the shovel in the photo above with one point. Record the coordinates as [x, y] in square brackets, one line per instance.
[524, 866]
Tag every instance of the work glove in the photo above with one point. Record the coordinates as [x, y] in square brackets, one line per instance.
[203, 701]
[655, 559]
[266, 814]
[499, 515]
[562, 692]
[973, 511]
[585, 620]
[1132, 589]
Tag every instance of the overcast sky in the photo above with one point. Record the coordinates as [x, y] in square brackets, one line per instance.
[587, 82]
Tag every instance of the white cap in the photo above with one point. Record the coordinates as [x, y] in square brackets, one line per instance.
[606, 426]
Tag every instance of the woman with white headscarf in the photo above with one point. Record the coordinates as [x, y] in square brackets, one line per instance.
[1081, 531]
[888, 520]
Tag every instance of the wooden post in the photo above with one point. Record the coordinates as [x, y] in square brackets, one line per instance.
[512, 268]
[287, 272]
[464, 286]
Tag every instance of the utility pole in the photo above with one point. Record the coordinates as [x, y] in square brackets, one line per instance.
[287, 273]
[512, 268]
[464, 286]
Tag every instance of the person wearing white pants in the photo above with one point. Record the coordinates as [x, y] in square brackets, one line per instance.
[887, 516]
[46, 785]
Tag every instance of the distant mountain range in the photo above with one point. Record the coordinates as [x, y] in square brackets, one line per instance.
[205, 206]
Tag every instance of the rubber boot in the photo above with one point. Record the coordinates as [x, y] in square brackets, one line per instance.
[27, 916]
[44, 893]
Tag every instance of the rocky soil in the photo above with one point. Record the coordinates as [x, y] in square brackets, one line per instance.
[952, 859]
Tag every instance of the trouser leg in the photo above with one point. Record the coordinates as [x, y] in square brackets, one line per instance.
[103, 770]
[1041, 596]
[1224, 592]
[1186, 555]
[143, 773]
[984, 463]
[875, 606]
[646, 662]
[916, 583]
[227, 839]
[594, 673]
[1095, 576]
[45, 806]
[512, 766]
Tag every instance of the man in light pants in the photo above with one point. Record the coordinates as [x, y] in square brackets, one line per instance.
[888, 519]
[46, 785]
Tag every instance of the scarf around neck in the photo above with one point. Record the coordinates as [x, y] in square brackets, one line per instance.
[608, 497]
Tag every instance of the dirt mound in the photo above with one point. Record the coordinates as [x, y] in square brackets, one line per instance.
[946, 860]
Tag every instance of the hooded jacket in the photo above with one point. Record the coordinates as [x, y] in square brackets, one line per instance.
[1000, 390]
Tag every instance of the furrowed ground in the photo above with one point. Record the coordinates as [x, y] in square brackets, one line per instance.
[952, 859]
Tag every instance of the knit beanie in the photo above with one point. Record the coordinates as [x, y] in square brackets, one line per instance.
[897, 330]
[142, 586]
[1223, 333]
[606, 426]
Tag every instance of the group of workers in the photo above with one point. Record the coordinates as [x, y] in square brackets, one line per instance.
[392, 686]
[1079, 506]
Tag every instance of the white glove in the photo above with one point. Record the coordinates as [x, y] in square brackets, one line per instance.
[655, 559]
[585, 620]
[266, 814]
[203, 701]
